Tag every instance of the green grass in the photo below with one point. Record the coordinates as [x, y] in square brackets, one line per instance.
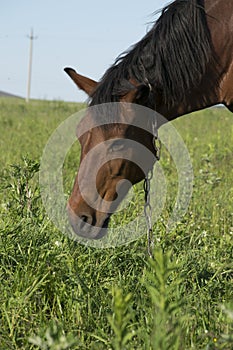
[58, 294]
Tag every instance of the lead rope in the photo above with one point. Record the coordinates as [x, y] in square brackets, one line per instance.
[146, 187]
[148, 212]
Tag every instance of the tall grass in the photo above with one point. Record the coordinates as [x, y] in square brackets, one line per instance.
[58, 294]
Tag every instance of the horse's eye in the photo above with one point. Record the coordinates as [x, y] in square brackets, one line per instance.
[117, 146]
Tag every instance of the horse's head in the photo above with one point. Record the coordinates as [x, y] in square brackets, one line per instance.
[115, 154]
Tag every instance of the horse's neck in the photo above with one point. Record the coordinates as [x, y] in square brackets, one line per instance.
[202, 97]
[220, 21]
[216, 86]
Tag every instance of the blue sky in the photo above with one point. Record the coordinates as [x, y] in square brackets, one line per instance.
[85, 35]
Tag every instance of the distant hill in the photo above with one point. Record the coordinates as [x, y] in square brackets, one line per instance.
[6, 94]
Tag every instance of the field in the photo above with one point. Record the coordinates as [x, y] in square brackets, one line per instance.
[58, 294]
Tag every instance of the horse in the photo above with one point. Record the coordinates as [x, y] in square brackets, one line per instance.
[183, 64]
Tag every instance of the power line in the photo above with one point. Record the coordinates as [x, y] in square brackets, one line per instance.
[31, 37]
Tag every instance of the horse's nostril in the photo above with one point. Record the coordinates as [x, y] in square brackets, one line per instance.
[84, 218]
[106, 222]
[87, 219]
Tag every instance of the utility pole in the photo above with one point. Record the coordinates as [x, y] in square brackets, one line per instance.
[31, 37]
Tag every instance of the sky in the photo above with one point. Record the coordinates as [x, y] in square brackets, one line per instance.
[84, 35]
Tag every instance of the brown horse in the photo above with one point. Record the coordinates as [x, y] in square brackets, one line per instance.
[183, 64]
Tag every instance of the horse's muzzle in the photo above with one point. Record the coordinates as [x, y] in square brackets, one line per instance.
[89, 224]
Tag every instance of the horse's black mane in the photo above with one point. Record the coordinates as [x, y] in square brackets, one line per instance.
[172, 56]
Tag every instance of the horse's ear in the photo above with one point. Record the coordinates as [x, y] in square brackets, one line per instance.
[86, 84]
